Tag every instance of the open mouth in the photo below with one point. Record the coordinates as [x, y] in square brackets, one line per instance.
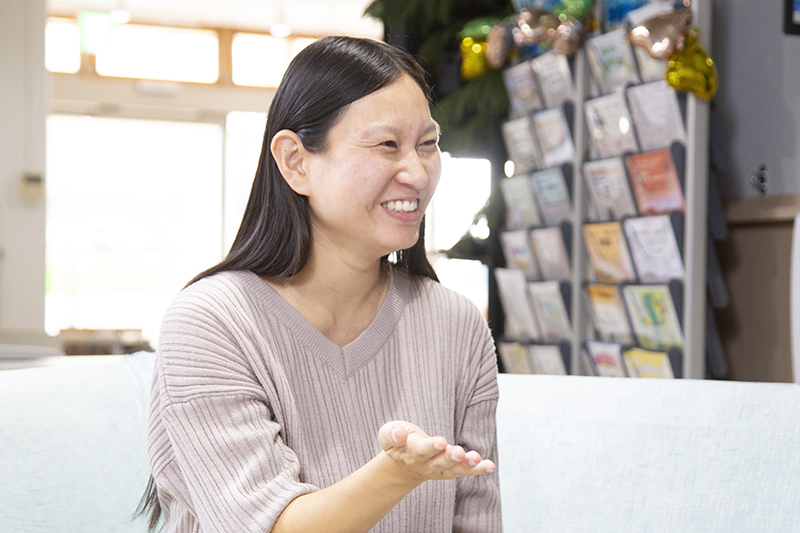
[402, 206]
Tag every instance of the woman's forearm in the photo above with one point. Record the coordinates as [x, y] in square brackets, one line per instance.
[354, 504]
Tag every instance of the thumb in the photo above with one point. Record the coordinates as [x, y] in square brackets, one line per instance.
[393, 434]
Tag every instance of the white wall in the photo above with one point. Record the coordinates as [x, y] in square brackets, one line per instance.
[759, 95]
[23, 101]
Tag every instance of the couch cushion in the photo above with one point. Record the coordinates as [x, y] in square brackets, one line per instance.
[73, 446]
[581, 454]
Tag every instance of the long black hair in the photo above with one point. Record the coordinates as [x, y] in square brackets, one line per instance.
[274, 236]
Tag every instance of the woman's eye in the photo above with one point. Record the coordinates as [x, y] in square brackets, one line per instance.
[430, 144]
[390, 144]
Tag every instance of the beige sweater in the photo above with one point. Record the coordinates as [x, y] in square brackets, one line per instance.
[252, 406]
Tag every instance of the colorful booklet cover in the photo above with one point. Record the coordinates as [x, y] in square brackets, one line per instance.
[550, 310]
[555, 78]
[655, 182]
[518, 253]
[521, 208]
[653, 316]
[551, 252]
[547, 359]
[552, 194]
[656, 115]
[512, 287]
[523, 94]
[647, 364]
[611, 59]
[515, 358]
[608, 313]
[606, 358]
[521, 144]
[608, 189]
[609, 124]
[553, 134]
[608, 252]
[654, 248]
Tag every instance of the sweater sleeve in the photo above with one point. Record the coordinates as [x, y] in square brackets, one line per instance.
[478, 497]
[238, 472]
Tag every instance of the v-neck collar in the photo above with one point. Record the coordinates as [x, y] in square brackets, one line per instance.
[345, 360]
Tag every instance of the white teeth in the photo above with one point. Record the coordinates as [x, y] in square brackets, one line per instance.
[402, 206]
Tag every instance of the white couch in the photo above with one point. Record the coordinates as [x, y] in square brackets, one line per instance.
[577, 454]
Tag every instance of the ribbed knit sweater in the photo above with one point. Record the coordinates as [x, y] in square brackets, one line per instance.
[252, 406]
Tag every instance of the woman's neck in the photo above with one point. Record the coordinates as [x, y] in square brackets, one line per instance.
[339, 298]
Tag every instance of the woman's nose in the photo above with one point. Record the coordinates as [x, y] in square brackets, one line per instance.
[414, 171]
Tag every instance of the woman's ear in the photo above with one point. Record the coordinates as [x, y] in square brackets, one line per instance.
[291, 157]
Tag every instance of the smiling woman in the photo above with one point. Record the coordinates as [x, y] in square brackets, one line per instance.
[297, 381]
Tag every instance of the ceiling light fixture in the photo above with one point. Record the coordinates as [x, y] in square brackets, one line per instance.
[280, 30]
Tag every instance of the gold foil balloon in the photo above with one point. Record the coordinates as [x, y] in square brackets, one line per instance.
[535, 26]
[662, 35]
[498, 45]
[473, 58]
[691, 69]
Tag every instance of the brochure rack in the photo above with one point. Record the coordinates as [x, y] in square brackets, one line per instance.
[654, 249]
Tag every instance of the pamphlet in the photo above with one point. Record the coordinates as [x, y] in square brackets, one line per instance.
[655, 182]
[653, 316]
[656, 115]
[611, 59]
[547, 359]
[514, 357]
[647, 364]
[555, 139]
[654, 248]
[608, 252]
[523, 94]
[606, 358]
[521, 144]
[521, 209]
[551, 191]
[550, 310]
[555, 78]
[608, 189]
[551, 252]
[518, 253]
[609, 124]
[608, 313]
[513, 291]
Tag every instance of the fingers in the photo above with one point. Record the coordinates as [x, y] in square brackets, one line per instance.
[429, 457]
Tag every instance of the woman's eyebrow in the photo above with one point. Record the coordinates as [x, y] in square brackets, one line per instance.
[377, 129]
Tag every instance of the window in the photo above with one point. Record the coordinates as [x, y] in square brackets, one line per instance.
[259, 60]
[244, 133]
[125, 232]
[62, 51]
[159, 53]
[463, 190]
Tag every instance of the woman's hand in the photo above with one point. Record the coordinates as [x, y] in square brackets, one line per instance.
[419, 457]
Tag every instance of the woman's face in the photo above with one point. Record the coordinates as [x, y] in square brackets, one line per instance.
[370, 187]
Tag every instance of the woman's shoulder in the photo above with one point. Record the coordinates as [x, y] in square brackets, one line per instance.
[218, 293]
[428, 293]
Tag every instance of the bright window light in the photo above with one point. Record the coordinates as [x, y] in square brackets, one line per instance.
[134, 212]
[463, 190]
[259, 60]
[156, 53]
[244, 133]
[62, 50]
